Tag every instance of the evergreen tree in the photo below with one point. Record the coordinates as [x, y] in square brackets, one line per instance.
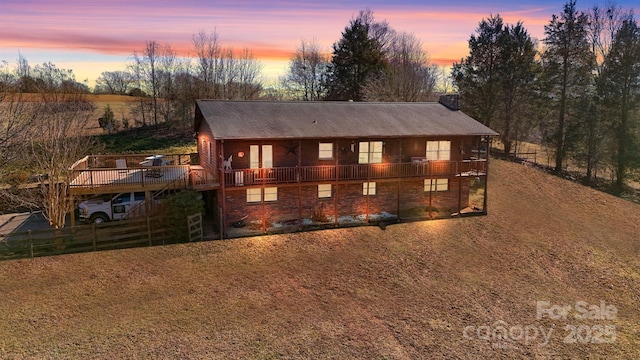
[620, 92]
[357, 57]
[496, 81]
[568, 63]
[476, 75]
[516, 71]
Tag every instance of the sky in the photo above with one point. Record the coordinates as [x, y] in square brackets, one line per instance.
[92, 36]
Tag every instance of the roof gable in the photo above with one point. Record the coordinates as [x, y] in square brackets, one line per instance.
[324, 119]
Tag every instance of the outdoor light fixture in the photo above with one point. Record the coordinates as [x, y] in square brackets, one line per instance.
[240, 154]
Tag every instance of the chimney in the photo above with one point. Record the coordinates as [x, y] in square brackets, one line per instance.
[451, 101]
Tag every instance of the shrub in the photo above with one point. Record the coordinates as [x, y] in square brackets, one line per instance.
[178, 207]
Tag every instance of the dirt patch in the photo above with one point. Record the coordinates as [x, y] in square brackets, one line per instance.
[417, 290]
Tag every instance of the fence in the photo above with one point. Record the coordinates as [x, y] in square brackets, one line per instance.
[525, 157]
[123, 234]
[195, 227]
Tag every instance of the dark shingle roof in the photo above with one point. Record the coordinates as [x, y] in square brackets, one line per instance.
[323, 119]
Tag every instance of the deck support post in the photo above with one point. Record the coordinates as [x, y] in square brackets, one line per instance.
[369, 168]
[399, 179]
[459, 194]
[487, 144]
[337, 179]
[299, 184]
[223, 215]
[430, 197]
[263, 172]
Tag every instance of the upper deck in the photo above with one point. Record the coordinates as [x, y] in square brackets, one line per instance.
[95, 174]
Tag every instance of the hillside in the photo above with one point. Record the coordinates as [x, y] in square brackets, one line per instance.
[410, 291]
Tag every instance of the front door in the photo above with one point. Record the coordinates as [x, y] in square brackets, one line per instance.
[260, 156]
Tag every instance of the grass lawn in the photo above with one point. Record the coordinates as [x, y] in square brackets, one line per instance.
[435, 289]
[149, 139]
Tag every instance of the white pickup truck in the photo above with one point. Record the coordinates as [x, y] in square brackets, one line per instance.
[109, 207]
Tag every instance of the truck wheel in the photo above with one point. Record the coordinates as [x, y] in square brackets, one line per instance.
[99, 218]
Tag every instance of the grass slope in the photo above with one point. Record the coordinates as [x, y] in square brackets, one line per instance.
[407, 292]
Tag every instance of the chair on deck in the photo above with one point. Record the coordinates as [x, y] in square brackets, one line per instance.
[121, 165]
[154, 171]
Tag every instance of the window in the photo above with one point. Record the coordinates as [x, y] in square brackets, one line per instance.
[126, 197]
[369, 188]
[438, 150]
[370, 152]
[436, 184]
[325, 151]
[255, 195]
[324, 191]
[271, 194]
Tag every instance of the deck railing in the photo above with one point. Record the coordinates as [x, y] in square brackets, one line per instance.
[358, 172]
[94, 171]
[86, 176]
[139, 176]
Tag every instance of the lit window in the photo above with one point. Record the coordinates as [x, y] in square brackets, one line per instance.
[436, 184]
[325, 151]
[369, 188]
[370, 152]
[438, 150]
[271, 194]
[324, 191]
[255, 194]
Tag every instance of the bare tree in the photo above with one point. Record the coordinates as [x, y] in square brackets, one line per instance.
[604, 23]
[307, 72]
[209, 56]
[137, 73]
[224, 73]
[154, 71]
[151, 51]
[239, 76]
[15, 120]
[379, 31]
[50, 139]
[444, 81]
[114, 82]
[409, 77]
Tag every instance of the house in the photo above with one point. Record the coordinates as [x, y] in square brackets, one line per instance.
[295, 165]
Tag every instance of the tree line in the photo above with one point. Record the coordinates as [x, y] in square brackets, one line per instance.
[371, 62]
[579, 94]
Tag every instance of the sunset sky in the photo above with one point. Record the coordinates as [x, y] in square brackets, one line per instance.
[91, 36]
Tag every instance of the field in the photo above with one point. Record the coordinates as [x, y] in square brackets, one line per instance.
[164, 140]
[436, 289]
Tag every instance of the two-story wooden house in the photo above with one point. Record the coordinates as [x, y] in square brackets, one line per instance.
[283, 165]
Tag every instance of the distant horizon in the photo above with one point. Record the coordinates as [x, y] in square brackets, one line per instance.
[97, 36]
